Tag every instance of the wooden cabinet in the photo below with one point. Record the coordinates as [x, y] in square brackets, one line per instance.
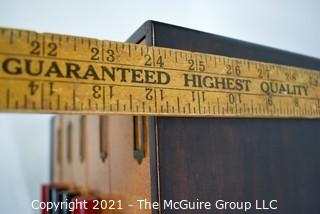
[169, 158]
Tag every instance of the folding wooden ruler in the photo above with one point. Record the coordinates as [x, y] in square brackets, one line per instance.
[68, 74]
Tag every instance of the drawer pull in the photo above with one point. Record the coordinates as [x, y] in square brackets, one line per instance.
[139, 126]
[103, 140]
[69, 142]
[83, 136]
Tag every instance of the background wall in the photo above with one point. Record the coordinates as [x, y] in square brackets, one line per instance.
[24, 139]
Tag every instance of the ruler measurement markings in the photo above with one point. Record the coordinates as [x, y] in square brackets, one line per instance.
[129, 50]
[89, 104]
[118, 105]
[74, 98]
[176, 57]
[199, 105]
[167, 105]
[155, 100]
[153, 56]
[8, 98]
[167, 88]
[59, 40]
[42, 97]
[104, 98]
[102, 52]
[58, 102]
[28, 36]
[130, 102]
[141, 51]
[43, 44]
[74, 44]
[275, 110]
[25, 101]
[143, 106]
[11, 37]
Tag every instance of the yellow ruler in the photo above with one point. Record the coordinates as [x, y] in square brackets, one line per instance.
[68, 74]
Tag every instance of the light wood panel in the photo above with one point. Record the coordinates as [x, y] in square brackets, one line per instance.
[98, 170]
[130, 180]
